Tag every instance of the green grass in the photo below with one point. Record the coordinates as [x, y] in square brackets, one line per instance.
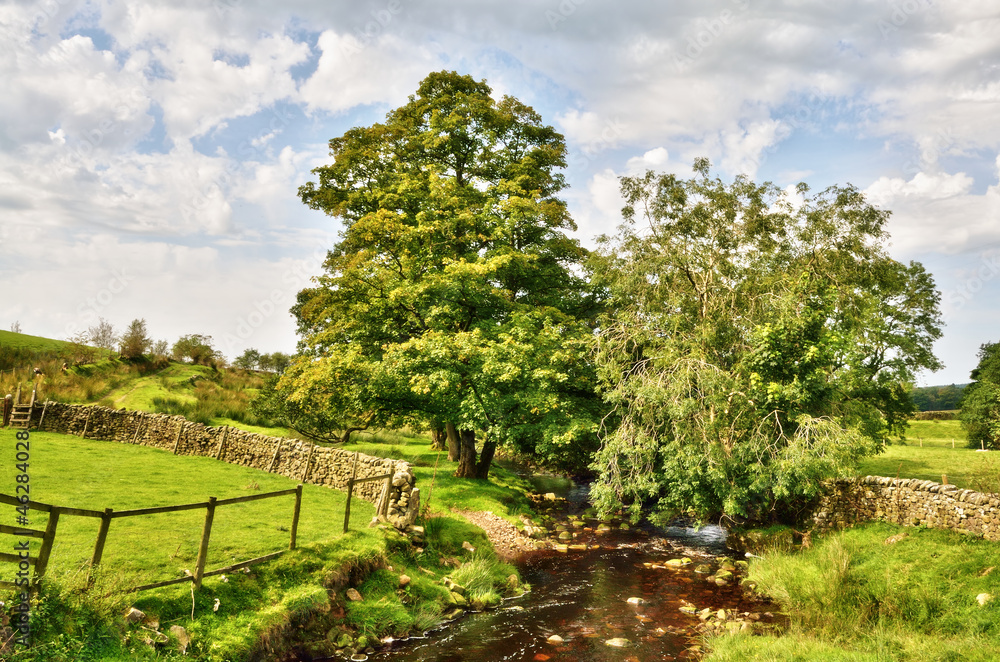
[276, 600]
[853, 597]
[927, 454]
[31, 343]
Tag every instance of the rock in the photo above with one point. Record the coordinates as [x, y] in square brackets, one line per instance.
[703, 569]
[689, 609]
[513, 583]
[679, 562]
[983, 598]
[467, 546]
[457, 600]
[550, 496]
[183, 638]
[555, 639]
[603, 528]
[721, 614]
[404, 581]
[577, 548]
[353, 595]
[133, 615]
[618, 642]
[636, 601]
[724, 575]
[705, 614]
[560, 548]
[344, 640]
[565, 536]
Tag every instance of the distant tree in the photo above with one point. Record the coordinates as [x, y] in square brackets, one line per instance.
[248, 360]
[15, 326]
[938, 398]
[160, 348]
[79, 350]
[980, 413]
[197, 348]
[276, 362]
[135, 342]
[103, 335]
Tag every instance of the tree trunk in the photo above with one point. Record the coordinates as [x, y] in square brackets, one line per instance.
[454, 443]
[467, 463]
[486, 458]
[438, 437]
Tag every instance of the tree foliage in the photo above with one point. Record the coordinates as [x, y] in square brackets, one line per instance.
[980, 413]
[454, 294]
[196, 348]
[755, 343]
[938, 398]
[135, 342]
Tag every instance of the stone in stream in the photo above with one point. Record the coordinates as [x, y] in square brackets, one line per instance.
[603, 528]
[565, 535]
[679, 562]
[635, 601]
[703, 569]
[618, 642]
[555, 639]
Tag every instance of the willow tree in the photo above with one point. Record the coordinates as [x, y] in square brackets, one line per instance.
[454, 278]
[758, 342]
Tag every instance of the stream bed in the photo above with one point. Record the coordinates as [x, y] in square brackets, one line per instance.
[583, 597]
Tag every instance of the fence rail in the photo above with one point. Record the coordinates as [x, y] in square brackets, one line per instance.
[40, 562]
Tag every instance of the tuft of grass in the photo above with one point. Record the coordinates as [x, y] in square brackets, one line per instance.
[854, 597]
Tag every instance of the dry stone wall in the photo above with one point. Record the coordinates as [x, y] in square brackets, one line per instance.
[909, 503]
[303, 461]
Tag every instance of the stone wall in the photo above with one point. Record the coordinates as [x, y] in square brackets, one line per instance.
[301, 460]
[909, 503]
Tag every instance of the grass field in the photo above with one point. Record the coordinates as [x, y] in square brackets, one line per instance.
[233, 614]
[68, 471]
[31, 343]
[927, 454]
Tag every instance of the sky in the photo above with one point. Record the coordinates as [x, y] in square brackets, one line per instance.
[151, 152]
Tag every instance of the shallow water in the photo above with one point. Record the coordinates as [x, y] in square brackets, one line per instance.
[582, 597]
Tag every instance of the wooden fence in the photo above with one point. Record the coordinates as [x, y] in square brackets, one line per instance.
[41, 562]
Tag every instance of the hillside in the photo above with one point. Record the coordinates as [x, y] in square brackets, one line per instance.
[32, 343]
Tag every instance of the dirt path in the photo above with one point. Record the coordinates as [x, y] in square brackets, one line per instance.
[507, 540]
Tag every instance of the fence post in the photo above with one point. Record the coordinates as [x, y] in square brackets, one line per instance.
[42, 419]
[206, 533]
[305, 473]
[102, 536]
[274, 458]
[222, 443]
[178, 439]
[138, 427]
[383, 506]
[350, 492]
[295, 515]
[42, 563]
[86, 425]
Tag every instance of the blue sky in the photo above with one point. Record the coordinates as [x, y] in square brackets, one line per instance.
[150, 152]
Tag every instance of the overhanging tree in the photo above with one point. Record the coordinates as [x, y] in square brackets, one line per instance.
[454, 275]
[756, 344]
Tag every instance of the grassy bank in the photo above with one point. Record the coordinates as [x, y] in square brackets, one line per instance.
[296, 602]
[856, 596]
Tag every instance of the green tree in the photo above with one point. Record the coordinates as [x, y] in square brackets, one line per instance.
[248, 360]
[980, 413]
[135, 342]
[753, 346]
[197, 348]
[454, 280]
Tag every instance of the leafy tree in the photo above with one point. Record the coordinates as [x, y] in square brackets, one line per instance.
[196, 347]
[938, 398]
[276, 362]
[454, 283]
[15, 326]
[980, 413]
[135, 342]
[102, 335]
[248, 360]
[160, 348]
[753, 345]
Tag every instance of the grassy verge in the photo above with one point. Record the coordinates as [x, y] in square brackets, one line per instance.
[854, 596]
[297, 602]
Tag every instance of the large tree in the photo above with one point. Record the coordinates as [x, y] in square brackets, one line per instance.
[981, 400]
[757, 341]
[454, 279]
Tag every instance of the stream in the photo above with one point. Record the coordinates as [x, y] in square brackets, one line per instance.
[583, 597]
